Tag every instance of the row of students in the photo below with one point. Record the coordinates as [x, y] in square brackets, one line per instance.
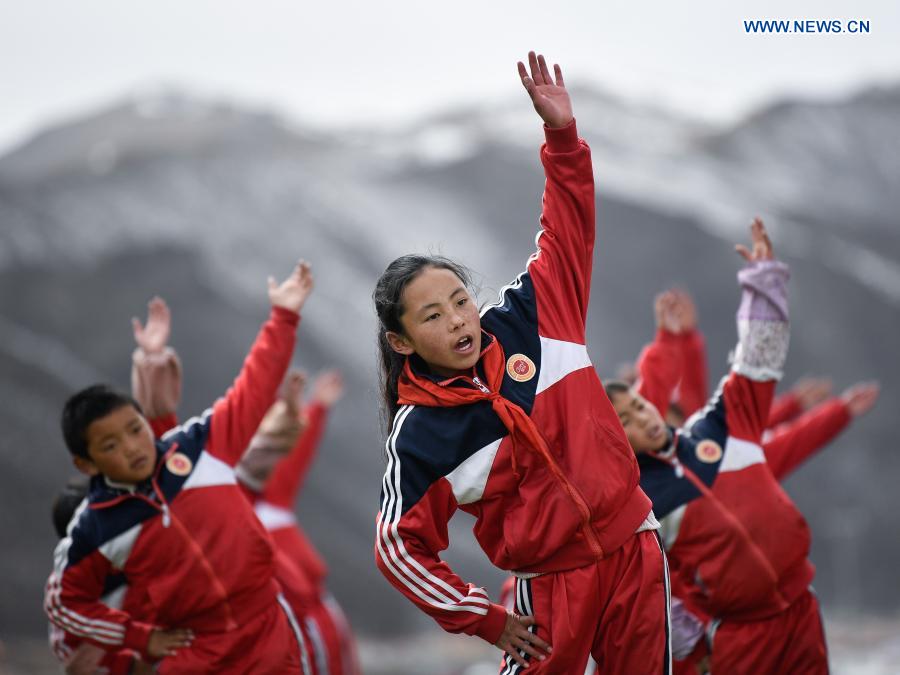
[807, 420]
[499, 413]
[271, 473]
[168, 514]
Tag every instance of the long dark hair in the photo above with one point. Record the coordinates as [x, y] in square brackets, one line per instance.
[389, 308]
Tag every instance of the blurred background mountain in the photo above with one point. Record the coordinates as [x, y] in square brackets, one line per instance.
[199, 200]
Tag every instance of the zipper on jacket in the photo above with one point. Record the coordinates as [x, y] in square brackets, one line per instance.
[478, 383]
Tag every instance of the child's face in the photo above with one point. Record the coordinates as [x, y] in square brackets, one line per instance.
[644, 426]
[440, 323]
[120, 446]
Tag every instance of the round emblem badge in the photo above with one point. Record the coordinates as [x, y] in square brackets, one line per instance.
[179, 464]
[709, 451]
[520, 368]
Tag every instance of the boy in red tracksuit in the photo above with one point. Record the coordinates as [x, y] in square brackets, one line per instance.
[501, 414]
[742, 560]
[156, 382]
[169, 515]
[275, 508]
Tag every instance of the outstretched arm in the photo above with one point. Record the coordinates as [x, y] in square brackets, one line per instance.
[156, 374]
[287, 478]
[739, 411]
[235, 417]
[660, 362]
[278, 433]
[561, 267]
[693, 390]
[794, 442]
[806, 393]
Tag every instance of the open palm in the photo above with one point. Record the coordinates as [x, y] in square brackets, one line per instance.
[154, 336]
[549, 95]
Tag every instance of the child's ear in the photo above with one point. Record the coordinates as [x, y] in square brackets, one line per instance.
[85, 466]
[399, 343]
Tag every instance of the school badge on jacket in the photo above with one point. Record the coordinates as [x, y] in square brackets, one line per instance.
[179, 464]
[520, 368]
[709, 451]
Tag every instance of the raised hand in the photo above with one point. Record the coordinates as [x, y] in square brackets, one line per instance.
[292, 292]
[761, 246]
[686, 309]
[811, 391]
[153, 337]
[550, 98]
[668, 312]
[292, 391]
[861, 398]
[164, 643]
[329, 388]
[516, 638]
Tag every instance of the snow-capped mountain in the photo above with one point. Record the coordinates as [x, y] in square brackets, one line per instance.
[200, 201]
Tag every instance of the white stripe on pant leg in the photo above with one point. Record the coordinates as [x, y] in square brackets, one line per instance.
[667, 665]
[301, 643]
[320, 651]
[507, 663]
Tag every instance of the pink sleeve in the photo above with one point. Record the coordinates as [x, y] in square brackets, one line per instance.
[156, 382]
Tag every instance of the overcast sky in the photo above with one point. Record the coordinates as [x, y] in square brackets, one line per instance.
[340, 62]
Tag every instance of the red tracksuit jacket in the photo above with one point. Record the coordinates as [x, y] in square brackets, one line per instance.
[188, 542]
[440, 459]
[275, 506]
[733, 535]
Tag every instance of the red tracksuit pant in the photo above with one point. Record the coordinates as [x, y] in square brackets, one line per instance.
[333, 648]
[265, 645]
[789, 643]
[615, 610]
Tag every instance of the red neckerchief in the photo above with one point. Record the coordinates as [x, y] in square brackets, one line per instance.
[414, 389]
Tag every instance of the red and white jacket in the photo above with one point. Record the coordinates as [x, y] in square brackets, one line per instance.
[535, 511]
[736, 543]
[275, 505]
[188, 542]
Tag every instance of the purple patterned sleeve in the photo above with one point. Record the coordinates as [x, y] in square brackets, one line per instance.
[687, 630]
[762, 319]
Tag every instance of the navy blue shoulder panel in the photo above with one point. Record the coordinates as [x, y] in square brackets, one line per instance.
[190, 438]
[95, 527]
[690, 453]
[514, 323]
[710, 422]
[432, 442]
[665, 488]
